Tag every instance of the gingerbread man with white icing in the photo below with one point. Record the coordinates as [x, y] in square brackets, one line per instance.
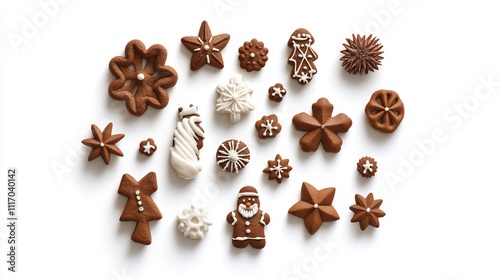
[248, 220]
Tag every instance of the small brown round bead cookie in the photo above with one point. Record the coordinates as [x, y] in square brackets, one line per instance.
[385, 111]
[268, 127]
[276, 92]
[367, 167]
[147, 147]
[253, 55]
[233, 155]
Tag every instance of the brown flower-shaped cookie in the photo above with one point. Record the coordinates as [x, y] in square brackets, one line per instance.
[367, 167]
[268, 126]
[104, 143]
[206, 48]
[147, 147]
[278, 169]
[276, 92]
[315, 207]
[385, 110]
[366, 211]
[321, 127]
[142, 78]
[253, 55]
[361, 54]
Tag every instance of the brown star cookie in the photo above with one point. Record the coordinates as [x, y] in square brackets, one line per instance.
[315, 207]
[366, 211]
[142, 78]
[104, 143]
[278, 169]
[206, 49]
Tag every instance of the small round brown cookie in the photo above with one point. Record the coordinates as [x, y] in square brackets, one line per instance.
[252, 55]
[276, 92]
[268, 127]
[385, 111]
[233, 155]
[147, 147]
[367, 167]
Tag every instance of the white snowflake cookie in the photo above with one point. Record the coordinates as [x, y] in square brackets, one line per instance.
[234, 98]
[193, 222]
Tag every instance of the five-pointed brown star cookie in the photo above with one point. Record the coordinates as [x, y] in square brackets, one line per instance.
[103, 143]
[315, 207]
[206, 48]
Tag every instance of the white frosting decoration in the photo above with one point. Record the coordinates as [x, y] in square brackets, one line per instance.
[137, 192]
[262, 218]
[232, 156]
[206, 48]
[247, 223]
[315, 205]
[233, 215]
[304, 55]
[139, 202]
[252, 55]
[268, 128]
[101, 145]
[279, 92]
[147, 148]
[278, 168]
[367, 167]
[234, 98]
[367, 210]
[140, 76]
[141, 209]
[248, 231]
[386, 109]
[184, 153]
[193, 222]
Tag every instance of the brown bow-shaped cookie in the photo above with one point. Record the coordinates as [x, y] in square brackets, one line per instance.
[142, 78]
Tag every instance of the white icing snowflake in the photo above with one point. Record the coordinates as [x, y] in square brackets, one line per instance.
[279, 92]
[234, 98]
[268, 126]
[194, 222]
[367, 167]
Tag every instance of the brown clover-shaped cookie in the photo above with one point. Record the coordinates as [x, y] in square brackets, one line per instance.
[366, 211]
[321, 127]
[140, 206]
[268, 127]
[253, 55]
[206, 49]
[147, 147]
[367, 167]
[385, 111]
[278, 169]
[276, 92]
[361, 54]
[103, 143]
[142, 78]
[315, 207]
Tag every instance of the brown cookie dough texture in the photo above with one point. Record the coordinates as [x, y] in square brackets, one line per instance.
[248, 220]
[361, 54]
[276, 92]
[366, 211]
[367, 167]
[103, 143]
[140, 206]
[302, 56]
[268, 127]
[233, 155]
[385, 111]
[321, 127]
[141, 85]
[253, 55]
[147, 147]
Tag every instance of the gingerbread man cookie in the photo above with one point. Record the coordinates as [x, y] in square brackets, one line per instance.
[302, 56]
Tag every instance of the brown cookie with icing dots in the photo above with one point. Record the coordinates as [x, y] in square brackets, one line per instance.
[233, 155]
[367, 167]
[268, 127]
[276, 92]
[147, 147]
[302, 56]
[385, 111]
[253, 55]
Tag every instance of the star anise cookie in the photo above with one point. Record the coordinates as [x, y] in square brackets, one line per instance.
[253, 55]
[278, 169]
[315, 207]
[142, 78]
[366, 211]
[321, 127]
[104, 143]
[206, 49]
[268, 127]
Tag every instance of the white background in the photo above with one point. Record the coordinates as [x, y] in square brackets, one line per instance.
[441, 198]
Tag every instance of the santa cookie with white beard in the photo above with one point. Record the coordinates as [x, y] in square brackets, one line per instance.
[248, 220]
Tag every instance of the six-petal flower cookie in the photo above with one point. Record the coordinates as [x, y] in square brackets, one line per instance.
[278, 169]
[321, 127]
[104, 143]
[385, 110]
[315, 207]
[206, 48]
[142, 78]
[366, 211]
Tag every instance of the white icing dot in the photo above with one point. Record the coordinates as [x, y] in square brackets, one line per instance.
[138, 197]
[367, 210]
[247, 223]
[233, 156]
[322, 126]
[139, 202]
[140, 76]
[252, 55]
[248, 231]
[386, 109]
[141, 209]
[206, 47]
[137, 192]
[101, 145]
[315, 205]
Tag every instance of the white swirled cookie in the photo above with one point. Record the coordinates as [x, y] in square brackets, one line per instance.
[194, 222]
[188, 140]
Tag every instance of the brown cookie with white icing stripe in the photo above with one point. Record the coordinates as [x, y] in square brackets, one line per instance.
[302, 56]
[233, 155]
